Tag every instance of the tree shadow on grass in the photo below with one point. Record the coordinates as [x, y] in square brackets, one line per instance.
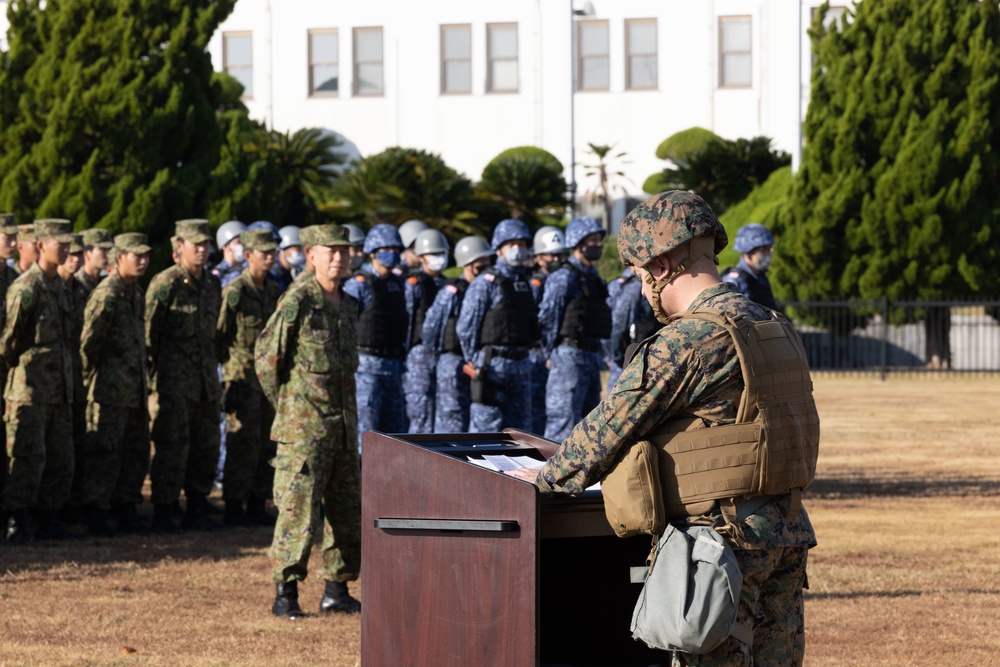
[856, 487]
[894, 594]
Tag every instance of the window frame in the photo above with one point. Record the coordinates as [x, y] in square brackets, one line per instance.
[313, 63]
[722, 53]
[225, 58]
[355, 84]
[490, 86]
[655, 53]
[580, 25]
[444, 27]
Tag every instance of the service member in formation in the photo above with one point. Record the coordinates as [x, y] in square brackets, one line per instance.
[182, 308]
[113, 351]
[247, 304]
[452, 400]
[36, 347]
[550, 251]
[496, 328]
[8, 244]
[615, 287]
[632, 321]
[305, 359]
[27, 248]
[97, 247]
[575, 320]
[689, 376]
[755, 245]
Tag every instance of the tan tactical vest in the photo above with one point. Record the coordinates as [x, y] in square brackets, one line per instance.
[770, 450]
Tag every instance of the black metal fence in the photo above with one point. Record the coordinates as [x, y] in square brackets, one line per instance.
[891, 337]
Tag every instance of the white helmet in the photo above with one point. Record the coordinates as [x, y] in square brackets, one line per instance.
[408, 231]
[228, 231]
[549, 240]
[289, 237]
[354, 234]
[472, 248]
[430, 241]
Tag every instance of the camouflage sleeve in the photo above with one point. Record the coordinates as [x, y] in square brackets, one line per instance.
[17, 331]
[273, 347]
[97, 320]
[157, 301]
[225, 327]
[553, 307]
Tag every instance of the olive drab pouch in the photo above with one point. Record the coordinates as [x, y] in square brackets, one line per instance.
[690, 594]
[633, 500]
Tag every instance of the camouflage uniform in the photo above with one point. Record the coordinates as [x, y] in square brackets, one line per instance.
[181, 313]
[78, 293]
[451, 400]
[36, 347]
[7, 276]
[306, 358]
[113, 351]
[615, 288]
[691, 368]
[245, 310]
[25, 234]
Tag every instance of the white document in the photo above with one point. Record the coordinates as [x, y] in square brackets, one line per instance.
[503, 463]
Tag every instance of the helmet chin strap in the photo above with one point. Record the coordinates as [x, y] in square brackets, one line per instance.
[697, 248]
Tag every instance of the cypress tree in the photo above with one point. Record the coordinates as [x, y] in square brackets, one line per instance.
[112, 122]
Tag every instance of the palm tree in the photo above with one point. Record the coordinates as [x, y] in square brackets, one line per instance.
[307, 164]
[608, 176]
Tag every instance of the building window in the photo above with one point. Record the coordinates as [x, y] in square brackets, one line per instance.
[592, 60]
[368, 61]
[501, 49]
[735, 55]
[456, 59]
[324, 62]
[640, 47]
[237, 59]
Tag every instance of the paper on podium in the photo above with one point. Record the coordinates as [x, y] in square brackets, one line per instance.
[502, 463]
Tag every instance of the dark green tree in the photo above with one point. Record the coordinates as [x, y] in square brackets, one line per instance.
[109, 111]
[897, 191]
[678, 145]
[526, 183]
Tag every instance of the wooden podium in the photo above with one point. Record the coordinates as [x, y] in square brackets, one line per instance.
[465, 566]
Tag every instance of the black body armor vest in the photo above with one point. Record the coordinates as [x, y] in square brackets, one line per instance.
[451, 343]
[588, 316]
[382, 324]
[758, 289]
[428, 290]
[515, 321]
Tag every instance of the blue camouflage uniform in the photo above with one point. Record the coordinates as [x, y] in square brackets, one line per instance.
[452, 399]
[509, 370]
[614, 289]
[539, 362]
[419, 381]
[755, 287]
[574, 384]
[632, 321]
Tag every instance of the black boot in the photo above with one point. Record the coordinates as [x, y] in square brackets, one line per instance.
[16, 527]
[163, 519]
[128, 519]
[196, 514]
[257, 514]
[235, 516]
[97, 522]
[48, 526]
[286, 601]
[336, 598]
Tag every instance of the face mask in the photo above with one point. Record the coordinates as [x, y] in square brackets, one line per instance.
[515, 255]
[762, 263]
[593, 252]
[295, 258]
[388, 258]
[238, 253]
[436, 262]
[356, 262]
[551, 265]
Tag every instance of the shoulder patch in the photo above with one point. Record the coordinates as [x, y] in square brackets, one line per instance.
[27, 296]
[412, 280]
[360, 278]
[489, 277]
[163, 291]
[733, 274]
[233, 298]
[451, 289]
[536, 282]
[291, 311]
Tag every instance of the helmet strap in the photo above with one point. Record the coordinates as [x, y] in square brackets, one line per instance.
[697, 248]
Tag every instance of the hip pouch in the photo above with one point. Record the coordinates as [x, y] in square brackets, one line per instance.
[483, 391]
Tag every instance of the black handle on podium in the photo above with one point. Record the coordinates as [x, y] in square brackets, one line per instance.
[448, 525]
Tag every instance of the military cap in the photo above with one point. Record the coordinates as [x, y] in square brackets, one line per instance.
[26, 233]
[8, 224]
[132, 242]
[76, 244]
[664, 222]
[57, 228]
[326, 235]
[97, 237]
[258, 239]
[195, 230]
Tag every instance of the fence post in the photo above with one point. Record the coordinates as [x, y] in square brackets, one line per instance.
[885, 337]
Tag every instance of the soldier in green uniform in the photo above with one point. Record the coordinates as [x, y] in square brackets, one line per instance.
[113, 350]
[8, 244]
[690, 370]
[182, 307]
[27, 248]
[247, 304]
[305, 360]
[36, 346]
[97, 251]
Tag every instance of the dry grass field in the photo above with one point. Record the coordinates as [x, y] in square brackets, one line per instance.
[906, 506]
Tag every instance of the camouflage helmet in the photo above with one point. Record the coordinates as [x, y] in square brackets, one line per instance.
[664, 222]
[752, 236]
[580, 228]
[382, 236]
[510, 230]
[269, 226]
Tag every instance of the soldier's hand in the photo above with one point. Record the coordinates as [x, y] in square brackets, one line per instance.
[469, 369]
[526, 474]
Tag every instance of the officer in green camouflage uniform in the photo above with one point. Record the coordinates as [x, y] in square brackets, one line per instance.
[305, 359]
[27, 249]
[247, 303]
[182, 307]
[97, 253]
[691, 368]
[113, 350]
[8, 244]
[36, 347]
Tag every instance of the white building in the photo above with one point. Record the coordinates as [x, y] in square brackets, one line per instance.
[467, 80]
